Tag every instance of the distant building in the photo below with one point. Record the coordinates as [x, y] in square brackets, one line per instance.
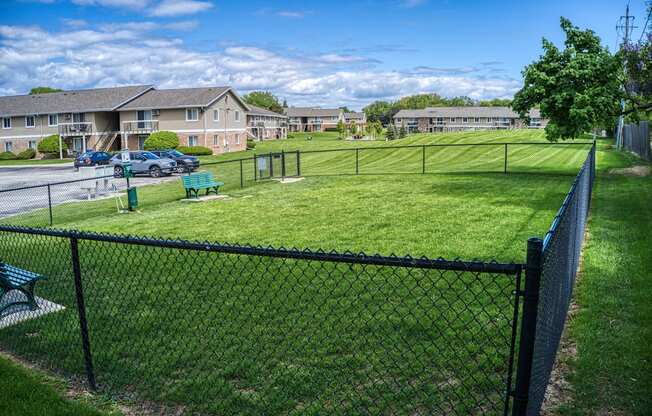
[448, 119]
[360, 119]
[264, 124]
[311, 119]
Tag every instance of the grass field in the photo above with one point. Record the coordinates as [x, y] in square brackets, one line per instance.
[34, 162]
[230, 334]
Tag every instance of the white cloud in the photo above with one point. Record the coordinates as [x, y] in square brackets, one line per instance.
[74, 23]
[111, 3]
[128, 53]
[179, 7]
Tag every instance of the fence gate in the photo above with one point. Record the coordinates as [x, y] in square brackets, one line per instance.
[277, 165]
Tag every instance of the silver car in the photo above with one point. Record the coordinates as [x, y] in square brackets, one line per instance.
[144, 162]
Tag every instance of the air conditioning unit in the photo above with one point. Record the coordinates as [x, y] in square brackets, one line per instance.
[156, 113]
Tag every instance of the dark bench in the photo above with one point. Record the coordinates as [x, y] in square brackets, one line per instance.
[13, 278]
[195, 182]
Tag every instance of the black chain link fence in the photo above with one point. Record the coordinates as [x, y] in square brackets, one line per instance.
[203, 328]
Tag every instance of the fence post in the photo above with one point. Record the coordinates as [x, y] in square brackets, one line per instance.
[255, 169]
[298, 163]
[81, 309]
[423, 159]
[241, 175]
[505, 171]
[282, 164]
[528, 325]
[357, 161]
[50, 204]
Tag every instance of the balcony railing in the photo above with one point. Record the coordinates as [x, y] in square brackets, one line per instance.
[140, 126]
[75, 129]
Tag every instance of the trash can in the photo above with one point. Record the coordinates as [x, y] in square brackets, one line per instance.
[132, 198]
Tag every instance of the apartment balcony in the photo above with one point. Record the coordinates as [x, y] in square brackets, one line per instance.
[139, 126]
[75, 129]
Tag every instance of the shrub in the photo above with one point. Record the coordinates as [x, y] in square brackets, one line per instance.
[7, 156]
[195, 150]
[50, 145]
[251, 144]
[26, 154]
[161, 140]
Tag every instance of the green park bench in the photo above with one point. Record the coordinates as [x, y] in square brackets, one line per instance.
[195, 182]
[13, 278]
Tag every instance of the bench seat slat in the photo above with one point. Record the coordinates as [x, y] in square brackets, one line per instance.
[15, 277]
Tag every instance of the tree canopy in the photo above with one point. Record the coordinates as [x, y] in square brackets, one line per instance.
[263, 99]
[43, 90]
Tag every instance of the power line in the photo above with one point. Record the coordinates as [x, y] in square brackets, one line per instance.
[649, 13]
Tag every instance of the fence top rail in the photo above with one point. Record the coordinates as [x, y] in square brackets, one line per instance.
[291, 253]
[44, 185]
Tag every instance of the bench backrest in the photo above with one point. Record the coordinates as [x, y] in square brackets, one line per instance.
[197, 179]
[15, 276]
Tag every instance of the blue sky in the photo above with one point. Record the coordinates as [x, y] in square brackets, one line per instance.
[308, 52]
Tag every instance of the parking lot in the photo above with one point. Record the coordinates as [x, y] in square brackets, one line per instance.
[18, 201]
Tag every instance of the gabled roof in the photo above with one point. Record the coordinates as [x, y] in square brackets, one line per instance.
[354, 115]
[179, 98]
[313, 112]
[504, 112]
[259, 111]
[74, 101]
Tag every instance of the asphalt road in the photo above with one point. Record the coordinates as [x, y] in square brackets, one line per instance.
[13, 202]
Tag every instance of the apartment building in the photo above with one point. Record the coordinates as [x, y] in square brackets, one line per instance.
[123, 117]
[264, 124]
[448, 119]
[311, 119]
[213, 117]
[360, 119]
[84, 118]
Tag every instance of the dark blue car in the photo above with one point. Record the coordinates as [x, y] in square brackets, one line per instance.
[92, 158]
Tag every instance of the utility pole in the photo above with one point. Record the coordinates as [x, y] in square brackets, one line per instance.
[626, 24]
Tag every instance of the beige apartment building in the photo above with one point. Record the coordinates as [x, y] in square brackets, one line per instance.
[360, 119]
[448, 119]
[117, 118]
[264, 124]
[311, 119]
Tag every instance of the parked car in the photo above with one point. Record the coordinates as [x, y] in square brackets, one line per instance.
[185, 163]
[144, 162]
[92, 158]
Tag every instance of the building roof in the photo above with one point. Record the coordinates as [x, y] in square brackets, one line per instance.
[312, 112]
[354, 115]
[259, 111]
[505, 112]
[74, 101]
[178, 98]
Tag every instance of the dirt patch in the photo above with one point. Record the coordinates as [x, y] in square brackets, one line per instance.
[638, 170]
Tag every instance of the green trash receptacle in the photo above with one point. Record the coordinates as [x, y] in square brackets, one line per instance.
[132, 198]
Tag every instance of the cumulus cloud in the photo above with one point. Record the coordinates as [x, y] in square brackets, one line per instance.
[128, 53]
[163, 8]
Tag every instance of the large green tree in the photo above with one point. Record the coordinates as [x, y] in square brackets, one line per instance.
[577, 88]
[43, 90]
[263, 99]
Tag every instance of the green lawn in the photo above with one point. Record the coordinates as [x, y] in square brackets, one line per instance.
[229, 334]
[34, 162]
[612, 330]
[28, 393]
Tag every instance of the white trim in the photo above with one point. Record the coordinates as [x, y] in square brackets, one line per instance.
[186, 112]
[32, 126]
[57, 116]
[216, 111]
[236, 115]
[50, 134]
[3, 123]
[218, 130]
[6, 145]
[196, 138]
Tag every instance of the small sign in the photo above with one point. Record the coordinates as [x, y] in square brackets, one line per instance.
[124, 155]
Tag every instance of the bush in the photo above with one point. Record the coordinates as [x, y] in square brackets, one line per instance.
[26, 154]
[161, 140]
[251, 144]
[330, 129]
[7, 156]
[195, 150]
[50, 145]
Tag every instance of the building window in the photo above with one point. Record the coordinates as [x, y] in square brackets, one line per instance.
[237, 139]
[6, 123]
[226, 142]
[192, 114]
[53, 120]
[452, 119]
[465, 120]
[216, 140]
[237, 115]
[32, 144]
[477, 119]
[9, 146]
[216, 115]
[30, 121]
[193, 140]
